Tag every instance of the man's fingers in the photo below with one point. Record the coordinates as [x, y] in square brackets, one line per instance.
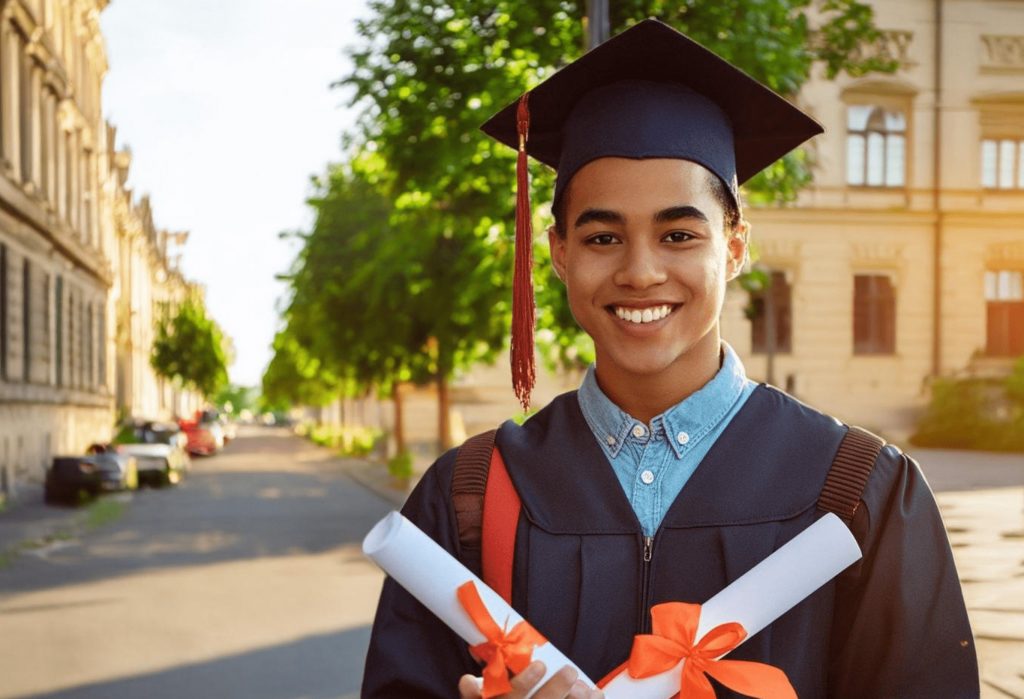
[525, 680]
[562, 685]
[559, 686]
[469, 687]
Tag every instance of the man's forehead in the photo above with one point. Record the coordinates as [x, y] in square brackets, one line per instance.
[633, 180]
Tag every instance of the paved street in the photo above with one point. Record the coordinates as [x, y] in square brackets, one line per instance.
[247, 579]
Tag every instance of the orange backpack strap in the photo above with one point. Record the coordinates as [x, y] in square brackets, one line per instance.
[851, 467]
[487, 510]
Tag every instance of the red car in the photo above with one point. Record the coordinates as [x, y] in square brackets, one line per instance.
[204, 438]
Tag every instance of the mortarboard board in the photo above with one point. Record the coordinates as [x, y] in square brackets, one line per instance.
[649, 92]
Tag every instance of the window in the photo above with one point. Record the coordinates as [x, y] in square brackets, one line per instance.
[1004, 297]
[26, 320]
[90, 375]
[874, 314]
[58, 317]
[3, 312]
[1002, 163]
[101, 333]
[875, 146]
[772, 310]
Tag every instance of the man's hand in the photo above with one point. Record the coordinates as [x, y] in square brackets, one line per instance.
[562, 685]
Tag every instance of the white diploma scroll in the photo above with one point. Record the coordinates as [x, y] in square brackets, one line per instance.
[432, 575]
[760, 596]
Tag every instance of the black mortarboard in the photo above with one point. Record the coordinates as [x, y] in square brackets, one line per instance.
[649, 92]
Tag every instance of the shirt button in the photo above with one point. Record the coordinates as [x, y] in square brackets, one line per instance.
[647, 477]
[639, 431]
[682, 438]
[610, 440]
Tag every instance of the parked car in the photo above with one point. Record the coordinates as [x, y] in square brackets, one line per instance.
[205, 438]
[118, 471]
[158, 464]
[72, 478]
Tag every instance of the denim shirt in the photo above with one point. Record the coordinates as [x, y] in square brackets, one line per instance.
[653, 462]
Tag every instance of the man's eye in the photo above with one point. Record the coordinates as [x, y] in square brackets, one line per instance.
[679, 237]
[601, 239]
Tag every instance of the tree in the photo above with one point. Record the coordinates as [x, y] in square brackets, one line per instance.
[429, 73]
[190, 348]
[294, 377]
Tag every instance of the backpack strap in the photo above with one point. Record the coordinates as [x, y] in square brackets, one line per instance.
[487, 509]
[501, 519]
[851, 467]
[469, 481]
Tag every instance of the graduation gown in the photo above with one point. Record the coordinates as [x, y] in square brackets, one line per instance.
[892, 625]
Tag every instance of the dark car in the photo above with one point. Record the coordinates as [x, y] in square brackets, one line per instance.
[71, 479]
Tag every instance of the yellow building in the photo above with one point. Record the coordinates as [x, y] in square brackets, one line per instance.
[77, 256]
[905, 259]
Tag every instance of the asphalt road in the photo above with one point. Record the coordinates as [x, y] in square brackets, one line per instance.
[245, 581]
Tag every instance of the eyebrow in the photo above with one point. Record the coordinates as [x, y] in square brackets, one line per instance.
[677, 212]
[673, 213]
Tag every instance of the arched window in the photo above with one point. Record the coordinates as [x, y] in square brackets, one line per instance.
[876, 140]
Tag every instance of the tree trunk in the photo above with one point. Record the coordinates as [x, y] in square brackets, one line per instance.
[444, 427]
[396, 399]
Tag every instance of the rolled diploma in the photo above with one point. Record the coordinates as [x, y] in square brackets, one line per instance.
[759, 596]
[432, 575]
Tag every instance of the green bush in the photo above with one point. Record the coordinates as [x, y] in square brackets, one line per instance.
[400, 466]
[974, 414]
[350, 441]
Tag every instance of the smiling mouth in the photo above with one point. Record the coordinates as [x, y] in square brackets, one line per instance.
[641, 316]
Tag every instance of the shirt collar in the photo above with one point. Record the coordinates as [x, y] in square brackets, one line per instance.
[685, 423]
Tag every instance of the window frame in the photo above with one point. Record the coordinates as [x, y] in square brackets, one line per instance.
[882, 328]
[891, 98]
[1008, 305]
[783, 316]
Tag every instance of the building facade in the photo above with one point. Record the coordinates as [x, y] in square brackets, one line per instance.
[905, 259]
[79, 261]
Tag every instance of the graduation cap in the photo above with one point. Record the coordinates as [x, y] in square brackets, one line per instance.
[649, 92]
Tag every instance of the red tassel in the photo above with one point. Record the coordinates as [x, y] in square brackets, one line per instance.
[523, 310]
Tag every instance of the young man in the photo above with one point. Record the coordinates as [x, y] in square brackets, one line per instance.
[669, 474]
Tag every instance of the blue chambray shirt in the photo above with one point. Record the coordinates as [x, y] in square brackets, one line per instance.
[653, 462]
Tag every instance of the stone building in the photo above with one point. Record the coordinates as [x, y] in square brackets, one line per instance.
[146, 284]
[55, 247]
[78, 259]
[905, 258]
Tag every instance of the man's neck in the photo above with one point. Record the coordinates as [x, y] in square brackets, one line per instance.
[644, 396]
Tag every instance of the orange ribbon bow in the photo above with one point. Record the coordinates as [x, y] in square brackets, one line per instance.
[674, 626]
[503, 650]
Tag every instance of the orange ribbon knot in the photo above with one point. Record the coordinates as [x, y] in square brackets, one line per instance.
[503, 650]
[674, 626]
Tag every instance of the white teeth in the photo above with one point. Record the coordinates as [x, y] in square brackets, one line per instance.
[647, 315]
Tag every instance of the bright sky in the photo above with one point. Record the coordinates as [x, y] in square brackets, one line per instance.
[227, 110]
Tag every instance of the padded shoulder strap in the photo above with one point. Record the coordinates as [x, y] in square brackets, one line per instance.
[469, 482]
[501, 520]
[851, 467]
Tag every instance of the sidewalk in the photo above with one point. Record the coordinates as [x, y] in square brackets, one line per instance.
[27, 522]
[986, 531]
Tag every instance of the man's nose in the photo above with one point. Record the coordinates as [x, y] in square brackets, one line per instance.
[641, 267]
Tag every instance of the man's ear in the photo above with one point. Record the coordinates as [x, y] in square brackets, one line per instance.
[557, 246]
[738, 249]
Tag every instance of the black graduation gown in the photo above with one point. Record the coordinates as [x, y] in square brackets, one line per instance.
[892, 625]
